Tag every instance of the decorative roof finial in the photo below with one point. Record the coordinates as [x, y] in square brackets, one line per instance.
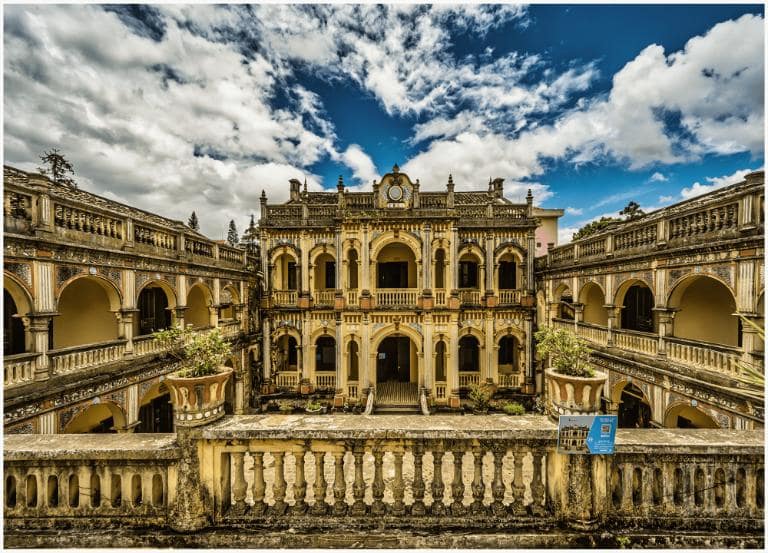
[263, 194]
[395, 168]
[305, 184]
[340, 184]
[450, 179]
[529, 197]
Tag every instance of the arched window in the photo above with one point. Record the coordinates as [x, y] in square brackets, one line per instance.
[13, 328]
[325, 354]
[469, 354]
[353, 360]
[440, 268]
[352, 269]
[507, 346]
[86, 313]
[153, 310]
[637, 313]
[440, 375]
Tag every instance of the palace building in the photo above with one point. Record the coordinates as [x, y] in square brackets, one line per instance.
[398, 290]
[86, 280]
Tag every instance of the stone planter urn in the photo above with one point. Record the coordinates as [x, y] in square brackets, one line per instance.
[573, 395]
[198, 400]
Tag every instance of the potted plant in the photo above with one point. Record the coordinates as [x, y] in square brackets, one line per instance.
[313, 407]
[573, 386]
[480, 395]
[198, 389]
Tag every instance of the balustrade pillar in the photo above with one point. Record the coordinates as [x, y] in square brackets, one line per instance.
[279, 487]
[478, 487]
[339, 485]
[537, 484]
[239, 487]
[498, 450]
[300, 484]
[457, 484]
[438, 487]
[518, 486]
[626, 488]
[358, 488]
[398, 486]
[418, 508]
[259, 486]
[320, 487]
[377, 489]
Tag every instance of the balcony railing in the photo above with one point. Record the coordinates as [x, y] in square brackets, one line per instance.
[388, 297]
[440, 298]
[633, 340]
[19, 369]
[432, 474]
[353, 389]
[510, 297]
[69, 360]
[284, 297]
[440, 390]
[510, 380]
[710, 356]
[467, 379]
[352, 298]
[470, 297]
[324, 297]
[287, 379]
[325, 380]
[593, 333]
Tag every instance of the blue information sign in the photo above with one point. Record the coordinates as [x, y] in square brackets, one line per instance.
[586, 434]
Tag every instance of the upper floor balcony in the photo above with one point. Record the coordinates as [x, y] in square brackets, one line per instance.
[731, 212]
[438, 475]
[34, 206]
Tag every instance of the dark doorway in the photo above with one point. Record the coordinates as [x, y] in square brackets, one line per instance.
[634, 411]
[393, 274]
[637, 314]
[468, 274]
[157, 415]
[393, 360]
[291, 275]
[153, 311]
[507, 275]
[325, 354]
[440, 269]
[13, 328]
[469, 354]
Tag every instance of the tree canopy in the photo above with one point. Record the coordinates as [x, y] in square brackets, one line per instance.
[232, 236]
[193, 223]
[57, 168]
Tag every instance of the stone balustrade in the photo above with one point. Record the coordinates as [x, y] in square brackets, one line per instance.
[353, 389]
[284, 297]
[511, 380]
[710, 356]
[325, 380]
[146, 345]
[102, 480]
[510, 297]
[467, 379]
[633, 340]
[593, 333]
[440, 390]
[69, 360]
[19, 369]
[387, 297]
[148, 236]
[323, 297]
[470, 297]
[408, 473]
[440, 297]
[287, 379]
[84, 220]
[352, 298]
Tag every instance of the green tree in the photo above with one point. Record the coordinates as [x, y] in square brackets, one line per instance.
[57, 168]
[250, 236]
[632, 211]
[594, 227]
[193, 223]
[232, 236]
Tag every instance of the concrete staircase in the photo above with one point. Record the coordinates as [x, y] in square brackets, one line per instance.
[397, 398]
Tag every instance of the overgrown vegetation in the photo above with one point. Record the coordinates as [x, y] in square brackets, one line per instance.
[201, 353]
[57, 168]
[480, 394]
[568, 353]
[513, 408]
[631, 212]
[751, 374]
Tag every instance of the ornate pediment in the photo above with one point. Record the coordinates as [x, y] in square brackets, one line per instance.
[395, 191]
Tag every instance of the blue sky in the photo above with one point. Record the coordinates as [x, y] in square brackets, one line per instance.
[174, 108]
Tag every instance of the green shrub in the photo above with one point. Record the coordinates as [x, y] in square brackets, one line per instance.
[513, 408]
[202, 353]
[480, 394]
[568, 353]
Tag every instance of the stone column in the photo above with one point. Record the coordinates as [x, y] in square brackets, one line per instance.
[426, 260]
[489, 265]
[365, 378]
[306, 358]
[454, 260]
[125, 326]
[427, 349]
[530, 369]
[341, 381]
[37, 323]
[337, 265]
[267, 350]
[304, 244]
[491, 367]
[613, 313]
[365, 283]
[666, 321]
[453, 365]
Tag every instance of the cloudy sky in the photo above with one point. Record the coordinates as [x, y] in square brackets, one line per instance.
[175, 108]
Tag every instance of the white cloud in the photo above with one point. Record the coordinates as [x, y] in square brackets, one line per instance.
[713, 183]
[574, 211]
[666, 199]
[363, 169]
[658, 177]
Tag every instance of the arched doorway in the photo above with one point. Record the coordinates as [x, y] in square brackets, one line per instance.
[99, 418]
[637, 312]
[325, 272]
[469, 354]
[508, 273]
[687, 416]
[593, 300]
[634, 408]
[284, 273]
[564, 299]
[396, 360]
[153, 310]
[352, 271]
[440, 368]
[289, 353]
[354, 361]
[469, 271]
[13, 328]
[439, 269]
[325, 354]
[507, 356]
[396, 267]
[87, 307]
[705, 313]
[155, 410]
[198, 313]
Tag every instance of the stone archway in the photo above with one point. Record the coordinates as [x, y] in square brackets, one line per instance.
[684, 415]
[87, 307]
